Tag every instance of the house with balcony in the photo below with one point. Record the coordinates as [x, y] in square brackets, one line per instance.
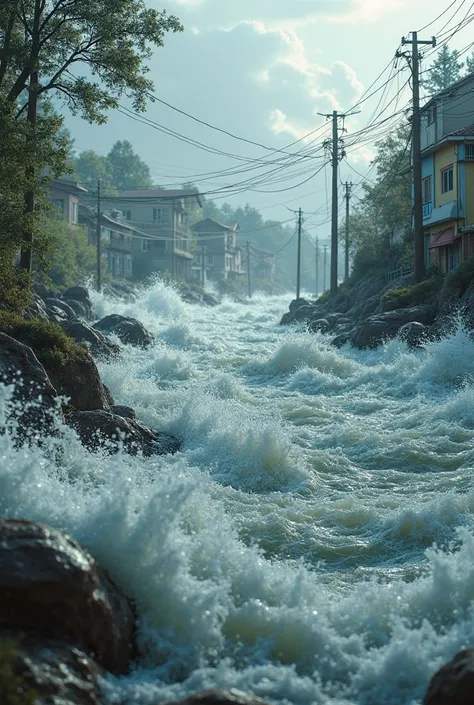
[447, 142]
[65, 197]
[217, 243]
[263, 264]
[117, 238]
[160, 215]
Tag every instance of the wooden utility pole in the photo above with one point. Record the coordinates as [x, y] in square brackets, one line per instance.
[203, 267]
[298, 261]
[99, 242]
[248, 270]
[316, 286]
[26, 255]
[325, 264]
[416, 152]
[346, 262]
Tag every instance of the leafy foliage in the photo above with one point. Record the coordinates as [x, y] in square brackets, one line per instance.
[444, 71]
[91, 167]
[470, 63]
[53, 348]
[414, 295]
[127, 169]
[12, 687]
[69, 259]
[463, 277]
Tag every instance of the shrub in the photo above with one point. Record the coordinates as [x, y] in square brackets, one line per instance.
[15, 287]
[464, 276]
[12, 687]
[413, 295]
[53, 348]
[325, 296]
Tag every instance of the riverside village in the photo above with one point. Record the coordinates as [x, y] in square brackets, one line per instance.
[236, 352]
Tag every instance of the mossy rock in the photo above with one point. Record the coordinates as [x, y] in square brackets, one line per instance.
[424, 292]
[13, 690]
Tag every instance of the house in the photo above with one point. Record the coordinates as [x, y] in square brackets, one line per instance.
[160, 215]
[263, 264]
[65, 196]
[223, 259]
[448, 176]
[117, 239]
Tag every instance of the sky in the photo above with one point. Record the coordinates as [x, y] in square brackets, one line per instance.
[263, 70]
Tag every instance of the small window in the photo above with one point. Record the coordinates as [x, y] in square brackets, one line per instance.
[432, 115]
[157, 215]
[59, 204]
[127, 215]
[198, 259]
[426, 190]
[469, 152]
[146, 245]
[210, 259]
[447, 180]
[74, 212]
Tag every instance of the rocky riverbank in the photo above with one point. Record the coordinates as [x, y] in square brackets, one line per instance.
[372, 311]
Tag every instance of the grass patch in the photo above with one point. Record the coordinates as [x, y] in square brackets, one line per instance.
[412, 295]
[324, 298]
[12, 687]
[51, 345]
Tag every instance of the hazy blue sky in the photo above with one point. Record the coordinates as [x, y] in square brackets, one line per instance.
[263, 69]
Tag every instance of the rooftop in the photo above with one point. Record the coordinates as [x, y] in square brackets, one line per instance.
[162, 193]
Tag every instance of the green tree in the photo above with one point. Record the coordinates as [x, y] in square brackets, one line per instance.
[444, 71]
[70, 259]
[45, 43]
[89, 167]
[127, 169]
[470, 64]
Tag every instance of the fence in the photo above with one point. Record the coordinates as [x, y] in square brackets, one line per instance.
[393, 274]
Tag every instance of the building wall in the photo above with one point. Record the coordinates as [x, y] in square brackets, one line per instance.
[70, 208]
[469, 197]
[445, 157]
[457, 107]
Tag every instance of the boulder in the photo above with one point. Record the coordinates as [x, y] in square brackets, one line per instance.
[128, 330]
[297, 303]
[102, 430]
[210, 299]
[375, 330]
[78, 293]
[320, 325]
[340, 340]
[453, 684]
[220, 697]
[35, 309]
[125, 411]
[34, 411]
[59, 303]
[78, 308]
[55, 314]
[56, 671]
[414, 334]
[79, 380]
[50, 584]
[99, 345]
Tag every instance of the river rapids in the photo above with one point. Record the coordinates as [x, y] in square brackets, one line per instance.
[312, 542]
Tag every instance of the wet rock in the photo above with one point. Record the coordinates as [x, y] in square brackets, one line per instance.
[340, 340]
[55, 314]
[36, 309]
[105, 430]
[50, 584]
[297, 303]
[78, 308]
[34, 410]
[56, 671]
[414, 334]
[59, 303]
[108, 396]
[453, 684]
[79, 380]
[128, 330]
[220, 697]
[320, 325]
[99, 345]
[375, 330]
[125, 411]
[210, 299]
[78, 293]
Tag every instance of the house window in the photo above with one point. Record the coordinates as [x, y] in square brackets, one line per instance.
[158, 215]
[74, 213]
[426, 190]
[59, 204]
[146, 245]
[447, 180]
[128, 265]
[198, 259]
[432, 114]
[469, 152]
[210, 259]
[127, 215]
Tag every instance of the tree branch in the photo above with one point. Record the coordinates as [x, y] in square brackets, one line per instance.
[4, 54]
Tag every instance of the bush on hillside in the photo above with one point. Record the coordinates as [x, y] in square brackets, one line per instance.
[15, 287]
[412, 295]
[464, 276]
[53, 348]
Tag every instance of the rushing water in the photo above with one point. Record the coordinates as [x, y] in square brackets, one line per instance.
[312, 542]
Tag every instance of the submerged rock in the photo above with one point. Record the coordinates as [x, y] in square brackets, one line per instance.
[56, 671]
[414, 334]
[320, 325]
[453, 684]
[125, 411]
[220, 697]
[79, 380]
[34, 410]
[59, 303]
[375, 330]
[99, 345]
[50, 584]
[129, 330]
[104, 430]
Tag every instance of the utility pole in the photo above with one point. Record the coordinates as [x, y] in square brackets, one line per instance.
[248, 270]
[325, 264]
[203, 267]
[26, 255]
[316, 287]
[298, 261]
[416, 150]
[99, 243]
[346, 262]
[335, 159]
